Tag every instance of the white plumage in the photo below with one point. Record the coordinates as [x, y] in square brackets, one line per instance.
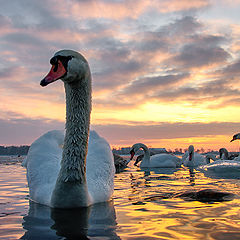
[193, 159]
[70, 171]
[43, 163]
[162, 160]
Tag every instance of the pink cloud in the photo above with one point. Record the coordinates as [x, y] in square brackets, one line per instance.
[130, 9]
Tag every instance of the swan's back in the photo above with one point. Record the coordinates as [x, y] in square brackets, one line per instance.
[164, 160]
[43, 165]
[229, 169]
[100, 169]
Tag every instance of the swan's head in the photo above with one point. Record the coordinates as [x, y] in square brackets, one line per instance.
[191, 152]
[235, 137]
[134, 149]
[138, 159]
[67, 65]
[223, 153]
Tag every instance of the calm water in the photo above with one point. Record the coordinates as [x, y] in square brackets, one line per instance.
[145, 206]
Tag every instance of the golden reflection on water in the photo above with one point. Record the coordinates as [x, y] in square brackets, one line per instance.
[13, 202]
[150, 210]
[146, 206]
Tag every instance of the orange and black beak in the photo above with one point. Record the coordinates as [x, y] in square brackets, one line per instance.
[234, 138]
[132, 154]
[190, 156]
[57, 71]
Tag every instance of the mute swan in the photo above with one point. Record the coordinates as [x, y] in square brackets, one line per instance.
[120, 163]
[235, 137]
[226, 166]
[64, 178]
[229, 169]
[159, 160]
[193, 159]
[224, 155]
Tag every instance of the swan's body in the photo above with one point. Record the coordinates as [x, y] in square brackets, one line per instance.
[162, 160]
[193, 159]
[222, 169]
[60, 177]
[225, 155]
[226, 166]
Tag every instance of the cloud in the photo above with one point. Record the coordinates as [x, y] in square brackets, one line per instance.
[133, 133]
[22, 39]
[232, 69]
[149, 84]
[4, 22]
[195, 56]
[16, 130]
[173, 77]
[139, 51]
[131, 9]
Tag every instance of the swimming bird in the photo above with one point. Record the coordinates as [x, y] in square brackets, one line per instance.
[120, 163]
[226, 166]
[229, 169]
[225, 155]
[193, 159]
[158, 160]
[68, 170]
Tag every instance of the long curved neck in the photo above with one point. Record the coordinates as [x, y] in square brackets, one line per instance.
[78, 108]
[146, 156]
[71, 187]
[224, 154]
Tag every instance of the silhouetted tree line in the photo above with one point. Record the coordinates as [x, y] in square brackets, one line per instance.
[14, 150]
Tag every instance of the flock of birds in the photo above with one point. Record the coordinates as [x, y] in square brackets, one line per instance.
[189, 159]
[76, 168]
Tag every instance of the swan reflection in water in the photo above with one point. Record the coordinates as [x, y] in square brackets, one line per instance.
[98, 220]
[191, 176]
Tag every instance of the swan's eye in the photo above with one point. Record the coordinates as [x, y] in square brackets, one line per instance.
[54, 62]
[63, 59]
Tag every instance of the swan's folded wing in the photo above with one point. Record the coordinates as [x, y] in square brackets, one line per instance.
[100, 168]
[43, 165]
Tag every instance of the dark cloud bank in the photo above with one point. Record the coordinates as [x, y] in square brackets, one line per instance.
[17, 131]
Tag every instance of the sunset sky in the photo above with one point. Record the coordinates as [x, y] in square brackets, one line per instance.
[165, 72]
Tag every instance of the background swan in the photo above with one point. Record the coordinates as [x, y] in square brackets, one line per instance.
[193, 159]
[57, 171]
[235, 137]
[225, 155]
[120, 163]
[229, 169]
[162, 160]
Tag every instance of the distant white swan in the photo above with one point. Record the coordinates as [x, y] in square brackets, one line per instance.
[66, 171]
[222, 169]
[193, 159]
[162, 160]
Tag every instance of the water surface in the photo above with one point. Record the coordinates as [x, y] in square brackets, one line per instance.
[146, 205]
